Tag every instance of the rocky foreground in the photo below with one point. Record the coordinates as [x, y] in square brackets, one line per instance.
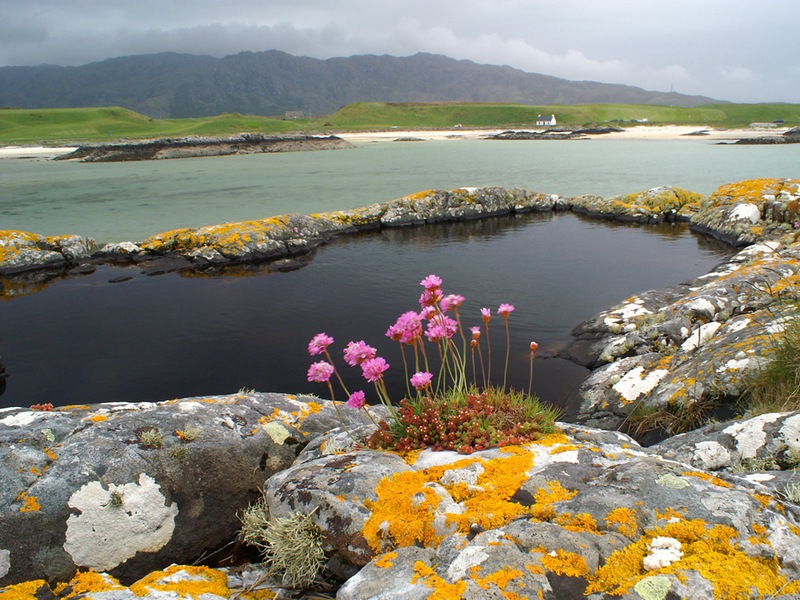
[194, 147]
[98, 501]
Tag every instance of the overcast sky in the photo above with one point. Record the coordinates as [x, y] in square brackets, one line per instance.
[738, 50]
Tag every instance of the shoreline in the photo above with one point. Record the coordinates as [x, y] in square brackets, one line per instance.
[639, 132]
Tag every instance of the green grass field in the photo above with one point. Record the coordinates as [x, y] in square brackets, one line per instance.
[56, 126]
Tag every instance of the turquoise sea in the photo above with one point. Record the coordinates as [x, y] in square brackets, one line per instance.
[115, 202]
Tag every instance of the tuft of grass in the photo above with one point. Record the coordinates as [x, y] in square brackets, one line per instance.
[776, 387]
[466, 421]
[291, 546]
[671, 419]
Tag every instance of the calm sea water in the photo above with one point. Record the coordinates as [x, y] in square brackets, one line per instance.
[130, 201]
[88, 340]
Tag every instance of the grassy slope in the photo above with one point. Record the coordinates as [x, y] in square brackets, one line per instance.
[58, 126]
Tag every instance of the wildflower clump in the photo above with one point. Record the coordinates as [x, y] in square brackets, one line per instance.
[449, 407]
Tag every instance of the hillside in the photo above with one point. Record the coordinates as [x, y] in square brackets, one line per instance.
[171, 85]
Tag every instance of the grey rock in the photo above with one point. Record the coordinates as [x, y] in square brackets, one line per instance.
[126, 487]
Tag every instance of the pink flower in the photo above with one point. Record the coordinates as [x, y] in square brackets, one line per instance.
[406, 329]
[450, 301]
[534, 346]
[320, 371]
[486, 315]
[476, 332]
[441, 326]
[427, 312]
[421, 380]
[319, 343]
[430, 297]
[373, 369]
[356, 400]
[505, 310]
[356, 353]
[431, 282]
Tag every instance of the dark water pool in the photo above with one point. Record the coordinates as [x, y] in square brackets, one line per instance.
[86, 340]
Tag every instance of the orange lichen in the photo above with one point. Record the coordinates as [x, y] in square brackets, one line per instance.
[625, 521]
[441, 589]
[706, 477]
[763, 499]
[199, 581]
[405, 508]
[710, 551]
[23, 591]
[385, 561]
[669, 514]
[501, 579]
[562, 562]
[29, 503]
[580, 522]
[87, 582]
[98, 418]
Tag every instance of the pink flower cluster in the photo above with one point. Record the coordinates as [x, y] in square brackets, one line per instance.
[433, 322]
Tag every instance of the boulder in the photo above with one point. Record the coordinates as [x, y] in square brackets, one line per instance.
[655, 205]
[578, 513]
[686, 349]
[23, 251]
[127, 488]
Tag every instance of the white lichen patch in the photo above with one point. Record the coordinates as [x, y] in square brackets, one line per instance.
[790, 432]
[469, 557]
[663, 552]
[633, 385]
[750, 435]
[5, 562]
[22, 419]
[115, 524]
[276, 431]
[746, 212]
[710, 456]
[737, 324]
[734, 365]
[468, 475]
[700, 336]
[702, 306]
[629, 311]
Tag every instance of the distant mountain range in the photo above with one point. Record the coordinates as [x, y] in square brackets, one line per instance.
[273, 83]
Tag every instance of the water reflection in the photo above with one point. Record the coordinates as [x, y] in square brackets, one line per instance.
[86, 340]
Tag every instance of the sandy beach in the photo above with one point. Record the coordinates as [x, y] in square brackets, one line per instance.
[640, 132]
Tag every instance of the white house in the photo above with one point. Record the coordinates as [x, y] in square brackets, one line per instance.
[545, 121]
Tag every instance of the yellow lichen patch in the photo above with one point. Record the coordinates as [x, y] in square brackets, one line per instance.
[385, 561]
[405, 508]
[29, 503]
[706, 477]
[98, 418]
[564, 448]
[624, 519]
[188, 582]
[87, 582]
[441, 589]
[545, 497]
[551, 439]
[501, 578]
[669, 514]
[562, 562]
[23, 591]
[763, 499]
[291, 418]
[750, 190]
[710, 551]
[582, 522]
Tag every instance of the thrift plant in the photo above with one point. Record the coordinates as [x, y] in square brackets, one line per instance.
[446, 410]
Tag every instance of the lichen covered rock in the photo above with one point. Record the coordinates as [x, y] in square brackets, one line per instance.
[125, 487]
